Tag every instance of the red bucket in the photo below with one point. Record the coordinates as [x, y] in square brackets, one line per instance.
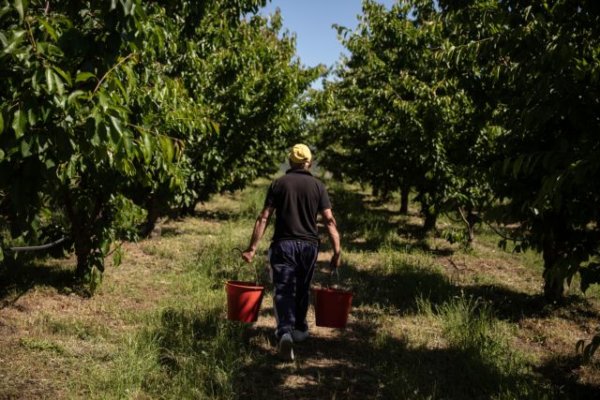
[332, 307]
[243, 300]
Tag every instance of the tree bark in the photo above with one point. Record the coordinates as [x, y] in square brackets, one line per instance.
[554, 279]
[555, 248]
[153, 214]
[82, 232]
[404, 193]
[470, 219]
[83, 251]
[429, 223]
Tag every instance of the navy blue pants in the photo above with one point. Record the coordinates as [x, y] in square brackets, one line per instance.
[293, 264]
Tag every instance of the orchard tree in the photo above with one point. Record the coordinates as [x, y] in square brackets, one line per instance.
[396, 119]
[538, 71]
[162, 103]
[67, 137]
[245, 83]
[552, 94]
[252, 83]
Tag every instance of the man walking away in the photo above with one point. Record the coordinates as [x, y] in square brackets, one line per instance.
[297, 198]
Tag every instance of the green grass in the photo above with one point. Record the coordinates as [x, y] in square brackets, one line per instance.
[420, 327]
[186, 349]
[43, 345]
[185, 353]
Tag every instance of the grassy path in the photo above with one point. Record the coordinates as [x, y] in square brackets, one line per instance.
[429, 320]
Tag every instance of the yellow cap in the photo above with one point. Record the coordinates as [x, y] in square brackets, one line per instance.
[300, 154]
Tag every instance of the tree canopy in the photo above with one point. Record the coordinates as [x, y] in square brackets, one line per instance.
[105, 105]
[472, 104]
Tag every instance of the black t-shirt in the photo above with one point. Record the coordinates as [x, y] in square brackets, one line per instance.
[297, 198]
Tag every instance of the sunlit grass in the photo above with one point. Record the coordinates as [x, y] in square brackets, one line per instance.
[186, 348]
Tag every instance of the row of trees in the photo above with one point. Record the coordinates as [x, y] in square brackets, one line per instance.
[487, 109]
[111, 107]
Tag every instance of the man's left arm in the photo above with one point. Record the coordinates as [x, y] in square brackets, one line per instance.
[259, 230]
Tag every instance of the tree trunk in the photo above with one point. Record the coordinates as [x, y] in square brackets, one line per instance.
[153, 213]
[404, 192]
[471, 220]
[470, 235]
[430, 220]
[83, 251]
[554, 279]
[82, 233]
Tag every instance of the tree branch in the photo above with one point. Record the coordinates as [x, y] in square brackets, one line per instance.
[110, 70]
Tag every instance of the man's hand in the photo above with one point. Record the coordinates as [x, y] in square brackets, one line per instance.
[335, 262]
[248, 255]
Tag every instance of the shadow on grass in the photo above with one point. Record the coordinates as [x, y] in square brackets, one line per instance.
[218, 216]
[17, 279]
[404, 285]
[561, 371]
[514, 306]
[366, 229]
[358, 364]
[363, 229]
[197, 347]
[398, 289]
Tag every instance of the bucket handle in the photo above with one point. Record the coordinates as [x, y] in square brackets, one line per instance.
[254, 264]
[337, 276]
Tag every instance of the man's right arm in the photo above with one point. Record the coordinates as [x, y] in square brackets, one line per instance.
[334, 236]
[259, 230]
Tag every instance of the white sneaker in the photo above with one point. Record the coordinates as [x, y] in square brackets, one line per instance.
[286, 347]
[299, 336]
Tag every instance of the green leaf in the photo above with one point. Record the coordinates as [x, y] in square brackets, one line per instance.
[74, 96]
[128, 6]
[95, 140]
[117, 256]
[105, 246]
[64, 75]
[215, 126]
[84, 76]
[31, 117]
[1, 123]
[20, 5]
[25, 148]
[147, 148]
[127, 167]
[124, 92]
[60, 87]
[48, 28]
[19, 123]
[167, 148]
[17, 37]
[116, 123]
[49, 80]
